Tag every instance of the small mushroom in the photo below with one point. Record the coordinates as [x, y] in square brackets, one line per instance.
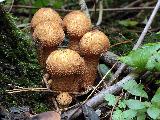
[76, 24]
[92, 45]
[66, 68]
[45, 14]
[64, 99]
[48, 35]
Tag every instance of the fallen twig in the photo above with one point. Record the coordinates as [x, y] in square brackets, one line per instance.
[100, 13]
[84, 7]
[99, 98]
[91, 10]
[123, 42]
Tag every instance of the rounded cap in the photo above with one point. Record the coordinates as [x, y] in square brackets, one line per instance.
[76, 24]
[48, 34]
[94, 43]
[65, 62]
[45, 14]
[64, 99]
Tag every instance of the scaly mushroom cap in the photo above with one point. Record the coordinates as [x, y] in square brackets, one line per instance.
[48, 34]
[65, 62]
[76, 24]
[64, 99]
[45, 14]
[94, 43]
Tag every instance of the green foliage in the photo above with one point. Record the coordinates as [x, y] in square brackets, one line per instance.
[127, 109]
[129, 114]
[153, 112]
[145, 58]
[103, 70]
[111, 99]
[135, 89]
[18, 56]
[135, 104]
[128, 23]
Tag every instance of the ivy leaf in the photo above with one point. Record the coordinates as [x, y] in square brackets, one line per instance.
[121, 104]
[129, 114]
[154, 62]
[156, 97]
[139, 58]
[153, 112]
[111, 99]
[135, 89]
[117, 115]
[141, 116]
[135, 104]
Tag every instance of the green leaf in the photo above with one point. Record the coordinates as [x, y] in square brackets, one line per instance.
[117, 115]
[140, 57]
[154, 62]
[111, 99]
[135, 104]
[156, 97]
[129, 114]
[153, 112]
[128, 23]
[141, 116]
[135, 89]
[121, 104]
[103, 69]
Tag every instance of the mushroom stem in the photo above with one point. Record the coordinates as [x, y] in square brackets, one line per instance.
[74, 45]
[68, 83]
[91, 71]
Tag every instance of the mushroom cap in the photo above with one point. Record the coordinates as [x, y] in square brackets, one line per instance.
[76, 24]
[64, 62]
[64, 99]
[48, 34]
[94, 43]
[45, 14]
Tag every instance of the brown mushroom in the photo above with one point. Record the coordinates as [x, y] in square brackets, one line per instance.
[66, 68]
[48, 35]
[45, 14]
[64, 99]
[76, 24]
[92, 44]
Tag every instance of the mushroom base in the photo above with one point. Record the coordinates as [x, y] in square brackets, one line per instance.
[70, 83]
[91, 71]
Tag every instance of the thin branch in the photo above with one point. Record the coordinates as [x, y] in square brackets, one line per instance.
[123, 42]
[100, 82]
[91, 10]
[147, 25]
[11, 6]
[133, 3]
[84, 7]
[95, 88]
[100, 13]
[141, 38]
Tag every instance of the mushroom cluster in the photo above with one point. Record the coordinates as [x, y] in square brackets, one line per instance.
[71, 69]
